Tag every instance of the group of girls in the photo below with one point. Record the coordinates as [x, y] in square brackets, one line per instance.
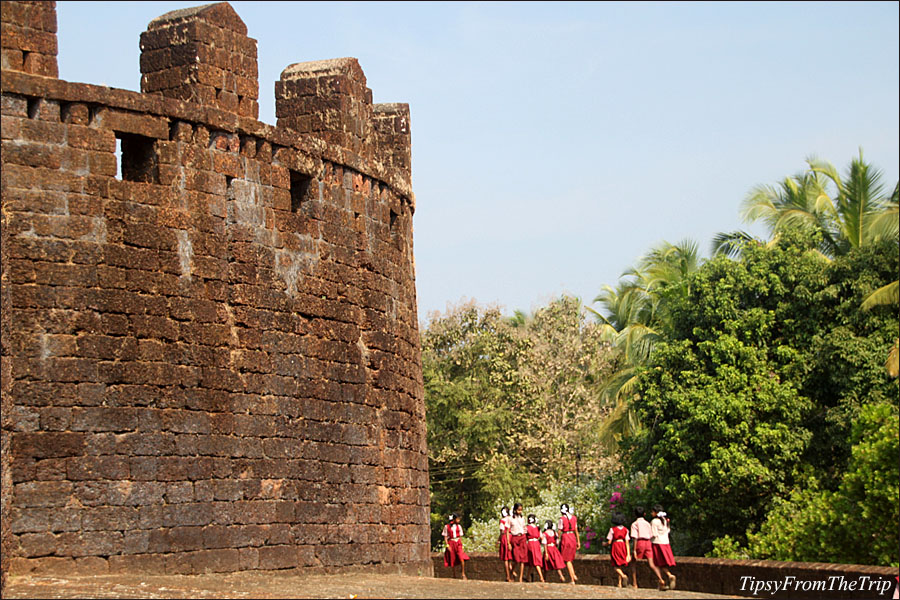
[522, 542]
[651, 542]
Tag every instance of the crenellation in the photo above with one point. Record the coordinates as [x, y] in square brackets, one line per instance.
[210, 344]
[28, 34]
[202, 55]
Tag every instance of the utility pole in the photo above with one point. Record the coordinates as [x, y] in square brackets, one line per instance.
[577, 468]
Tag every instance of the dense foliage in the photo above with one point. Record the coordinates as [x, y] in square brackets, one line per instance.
[512, 404]
[754, 392]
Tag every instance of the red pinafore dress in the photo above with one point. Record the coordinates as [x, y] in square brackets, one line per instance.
[618, 550]
[505, 550]
[533, 534]
[553, 560]
[567, 542]
[454, 554]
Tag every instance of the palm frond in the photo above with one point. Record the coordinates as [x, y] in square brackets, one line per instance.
[885, 225]
[886, 295]
[731, 243]
[620, 423]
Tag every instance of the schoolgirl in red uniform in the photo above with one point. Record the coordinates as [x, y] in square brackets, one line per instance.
[552, 558]
[662, 551]
[505, 542]
[454, 554]
[535, 560]
[569, 539]
[517, 538]
[619, 548]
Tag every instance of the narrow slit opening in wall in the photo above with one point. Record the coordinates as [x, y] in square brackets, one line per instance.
[394, 217]
[136, 158]
[33, 106]
[299, 189]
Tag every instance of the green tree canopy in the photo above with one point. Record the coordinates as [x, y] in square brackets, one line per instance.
[767, 362]
[511, 403]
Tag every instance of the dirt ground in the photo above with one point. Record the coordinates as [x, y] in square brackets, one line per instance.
[267, 585]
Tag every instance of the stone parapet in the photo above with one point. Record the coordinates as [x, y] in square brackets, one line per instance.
[202, 55]
[28, 37]
[328, 100]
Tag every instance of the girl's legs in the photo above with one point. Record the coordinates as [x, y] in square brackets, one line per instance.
[562, 577]
[521, 571]
[540, 574]
[634, 572]
[508, 570]
[670, 578]
[572, 576]
[659, 577]
[622, 576]
[463, 565]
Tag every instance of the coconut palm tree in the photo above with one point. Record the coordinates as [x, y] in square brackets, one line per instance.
[629, 311]
[858, 214]
[635, 316]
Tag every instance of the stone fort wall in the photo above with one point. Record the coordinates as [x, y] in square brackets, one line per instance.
[210, 356]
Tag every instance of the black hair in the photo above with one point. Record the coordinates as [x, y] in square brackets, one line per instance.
[532, 519]
[453, 517]
[505, 508]
[516, 507]
[638, 511]
[548, 525]
[657, 508]
[618, 519]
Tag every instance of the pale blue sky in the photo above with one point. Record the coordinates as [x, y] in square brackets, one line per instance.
[554, 144]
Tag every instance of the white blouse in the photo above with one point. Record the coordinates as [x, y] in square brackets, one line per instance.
[659, 532]
[516, 525]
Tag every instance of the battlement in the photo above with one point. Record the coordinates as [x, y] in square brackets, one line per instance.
[29, 37]
[210, 350]
[202, 55]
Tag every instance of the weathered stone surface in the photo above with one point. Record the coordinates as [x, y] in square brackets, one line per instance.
[202, 341]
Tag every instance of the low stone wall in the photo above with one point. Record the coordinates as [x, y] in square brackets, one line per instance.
[755, 578]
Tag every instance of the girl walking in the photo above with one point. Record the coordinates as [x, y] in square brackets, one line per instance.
[552, 558]
[517, 538]
[569, 539]
[620, 550]
[454, 554]
[505, 542]
[535, 561]
[662, 552]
